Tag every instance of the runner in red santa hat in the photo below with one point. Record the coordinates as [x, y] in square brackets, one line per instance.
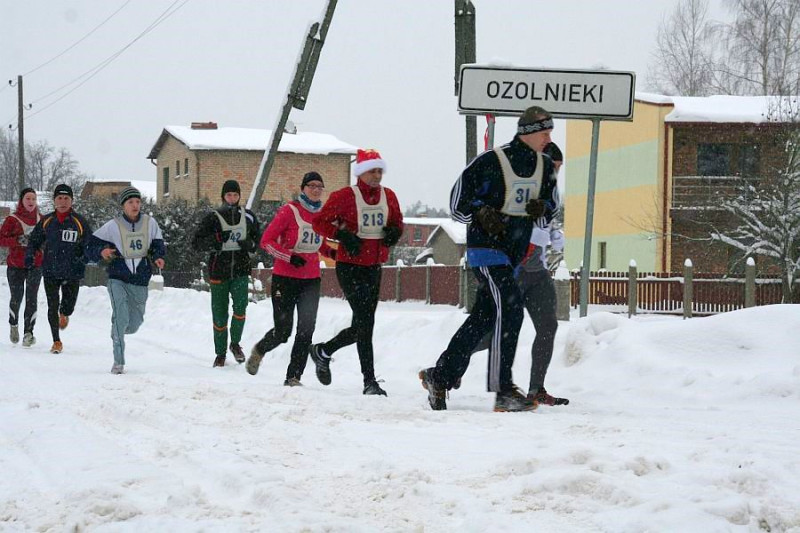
[366, 220]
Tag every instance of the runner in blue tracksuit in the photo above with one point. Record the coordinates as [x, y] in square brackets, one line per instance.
[63, 234]
[131, 244]
[501, 195]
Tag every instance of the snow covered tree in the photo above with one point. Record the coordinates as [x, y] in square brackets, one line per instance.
[767, 215]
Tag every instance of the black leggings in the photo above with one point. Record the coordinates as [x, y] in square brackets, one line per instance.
[61, 297]
[18, 279]
[288, 294]
[361, 286]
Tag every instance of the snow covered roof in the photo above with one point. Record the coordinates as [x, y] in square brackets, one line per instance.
[455, 230]
[424, 221]
[305, 142]
[720, 108]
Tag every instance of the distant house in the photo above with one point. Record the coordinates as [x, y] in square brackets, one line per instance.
[660, 175]
[417, 230]
[448, 242]
[193, 162]
[111, 189]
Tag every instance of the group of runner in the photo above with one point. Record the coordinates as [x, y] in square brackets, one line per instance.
[508, 196]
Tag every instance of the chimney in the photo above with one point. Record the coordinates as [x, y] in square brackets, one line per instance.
[204, 125]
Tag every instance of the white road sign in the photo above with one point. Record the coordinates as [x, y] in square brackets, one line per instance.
[604, 94]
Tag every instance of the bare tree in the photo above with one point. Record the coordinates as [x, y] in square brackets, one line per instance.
[681, 61]
[758, 53]
[9, 166]
[45, 167]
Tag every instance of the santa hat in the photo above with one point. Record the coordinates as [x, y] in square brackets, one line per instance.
[366, 160]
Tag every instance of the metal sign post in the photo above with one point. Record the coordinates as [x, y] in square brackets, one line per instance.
[587, 236]
[567, 94]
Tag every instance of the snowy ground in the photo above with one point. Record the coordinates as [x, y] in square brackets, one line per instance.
[673, 426]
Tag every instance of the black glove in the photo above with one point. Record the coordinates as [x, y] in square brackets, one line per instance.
[297, 261]
[247, 245]
[391, 234]
[22, 240]
[535, 208]
[349, 240]
[490, 220]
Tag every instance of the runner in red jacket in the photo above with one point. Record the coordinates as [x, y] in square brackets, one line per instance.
[14, 235]
[366, 220]
[295, 246]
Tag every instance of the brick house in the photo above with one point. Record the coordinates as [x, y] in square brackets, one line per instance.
[193, 162]
[660, 179]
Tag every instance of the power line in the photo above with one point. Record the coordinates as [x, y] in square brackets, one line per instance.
[91, 73]
[79, 41]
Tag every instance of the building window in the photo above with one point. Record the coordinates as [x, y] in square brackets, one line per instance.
[749, 160]
[417, 233]
[601, 253]
[186, 167]
[165, 180]
[713, 160]
[177, 168]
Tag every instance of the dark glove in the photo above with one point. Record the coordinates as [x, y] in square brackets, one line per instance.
[349, 240]
[22, 240]
[535, 208]
[297, 261]
[391, 234]
[247, 245]
[490, 220]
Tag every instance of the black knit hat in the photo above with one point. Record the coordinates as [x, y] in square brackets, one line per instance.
[311, 176]
[127, 193]
[25, 191]
[230, 186]
[554, 152]
[63, 189]
[533, 120]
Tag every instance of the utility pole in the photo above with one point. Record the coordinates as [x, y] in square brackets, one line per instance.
[465, 53]
[21, 141]
[297, 97]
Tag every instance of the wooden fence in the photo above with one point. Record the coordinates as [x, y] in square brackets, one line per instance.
[663, 292]
[454, 285]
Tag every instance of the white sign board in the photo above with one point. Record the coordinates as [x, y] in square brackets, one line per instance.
[603, 94]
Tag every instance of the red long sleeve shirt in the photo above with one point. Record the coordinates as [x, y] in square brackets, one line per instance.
[340, 212]
[281, 236]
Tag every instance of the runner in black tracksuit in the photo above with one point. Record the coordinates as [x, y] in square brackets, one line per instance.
[501, 194]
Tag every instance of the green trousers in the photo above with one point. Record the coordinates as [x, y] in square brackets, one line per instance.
[220, 290]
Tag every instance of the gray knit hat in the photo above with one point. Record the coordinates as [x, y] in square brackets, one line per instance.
[127, 193]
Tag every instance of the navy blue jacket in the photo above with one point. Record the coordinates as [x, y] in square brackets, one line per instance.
[64, 246]
[482, 183]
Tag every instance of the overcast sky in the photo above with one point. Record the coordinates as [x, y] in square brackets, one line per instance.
[385, 78]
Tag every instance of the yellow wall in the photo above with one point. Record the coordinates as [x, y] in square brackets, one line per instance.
[629, 188]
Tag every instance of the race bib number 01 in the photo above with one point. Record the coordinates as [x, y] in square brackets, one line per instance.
[69, 235]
